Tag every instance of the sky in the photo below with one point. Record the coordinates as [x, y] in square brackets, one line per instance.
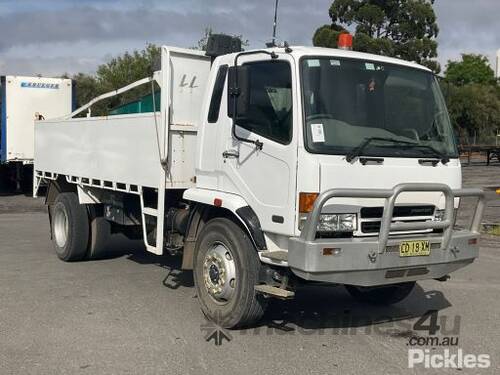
[53, 37]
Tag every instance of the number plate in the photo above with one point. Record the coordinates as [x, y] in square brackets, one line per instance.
[414, 248]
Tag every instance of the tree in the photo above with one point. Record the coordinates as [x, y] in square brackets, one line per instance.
[472, 97]
[119, 72]
[125, 69]
[475, 110]
[203, 42]
[129, 67]
[86, 88]
[399, 28]
[471, 69]
[122, 71]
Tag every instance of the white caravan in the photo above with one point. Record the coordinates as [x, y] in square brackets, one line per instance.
[23, 100]
[266, 169]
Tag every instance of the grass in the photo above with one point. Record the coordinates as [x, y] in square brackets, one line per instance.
[493, 229]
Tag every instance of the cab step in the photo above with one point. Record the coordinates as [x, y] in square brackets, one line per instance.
[274, 291]
[276, 256]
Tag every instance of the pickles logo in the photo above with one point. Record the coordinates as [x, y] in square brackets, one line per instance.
[39, 85]
[447, 359]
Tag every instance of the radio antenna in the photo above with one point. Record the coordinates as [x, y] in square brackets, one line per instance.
[275, 24]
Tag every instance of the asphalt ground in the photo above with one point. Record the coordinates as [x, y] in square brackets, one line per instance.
[135, 313]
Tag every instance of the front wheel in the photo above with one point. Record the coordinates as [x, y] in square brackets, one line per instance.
[226, 270]
[381, 295]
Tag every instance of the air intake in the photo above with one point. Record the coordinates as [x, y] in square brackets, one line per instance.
[222, 44]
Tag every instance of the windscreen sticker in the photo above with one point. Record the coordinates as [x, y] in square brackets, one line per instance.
[313, 63]
[369, 66]
[335, 62]
[318, 134]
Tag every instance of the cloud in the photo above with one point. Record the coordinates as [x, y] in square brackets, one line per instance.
[72, 35]
[89, 23]
[467, 27]
[67, 24]
[47, 66]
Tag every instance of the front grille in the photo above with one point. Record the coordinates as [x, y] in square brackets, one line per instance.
[374, 226]
[399, 211]
[370, 226]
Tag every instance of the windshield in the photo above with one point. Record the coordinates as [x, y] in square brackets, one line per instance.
[347, 101]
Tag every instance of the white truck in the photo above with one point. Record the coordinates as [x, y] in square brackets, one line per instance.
[266, 169]
[23, 100]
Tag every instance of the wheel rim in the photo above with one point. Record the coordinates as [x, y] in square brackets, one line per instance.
[219, 273]
[60, 227]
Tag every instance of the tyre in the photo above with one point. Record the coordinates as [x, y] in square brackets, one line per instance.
[226, 270]
[70, 227]
[100, 232]
[381, 295]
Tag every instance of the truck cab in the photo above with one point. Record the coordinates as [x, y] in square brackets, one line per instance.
[310, 120]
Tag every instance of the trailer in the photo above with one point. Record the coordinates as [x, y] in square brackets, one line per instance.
[266, 169]
[24, 100]
[491, 152]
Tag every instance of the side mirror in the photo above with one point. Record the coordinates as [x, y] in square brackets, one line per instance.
[239, 100]
[239, 93]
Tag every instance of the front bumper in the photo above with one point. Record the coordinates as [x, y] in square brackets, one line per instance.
[375, 261]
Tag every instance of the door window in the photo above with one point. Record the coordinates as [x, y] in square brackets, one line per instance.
[213, 112]
[269, 111]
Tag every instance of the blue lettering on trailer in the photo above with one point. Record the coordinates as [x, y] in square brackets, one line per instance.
[40, 85]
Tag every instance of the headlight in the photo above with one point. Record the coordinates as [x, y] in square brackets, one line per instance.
[440, 215]
[337, 223]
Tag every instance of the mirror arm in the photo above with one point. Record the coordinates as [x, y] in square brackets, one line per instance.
[258, 144]
[272, 54]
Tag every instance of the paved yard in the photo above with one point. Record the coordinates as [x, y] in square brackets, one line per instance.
[136, 313]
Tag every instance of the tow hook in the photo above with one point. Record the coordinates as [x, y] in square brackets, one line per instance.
[372, 255]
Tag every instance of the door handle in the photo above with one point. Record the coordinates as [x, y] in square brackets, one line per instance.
[230, 154]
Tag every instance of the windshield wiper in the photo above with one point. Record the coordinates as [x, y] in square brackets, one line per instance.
[436, 153]
[355, 152]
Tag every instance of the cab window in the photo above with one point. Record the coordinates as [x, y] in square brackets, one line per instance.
[213, 112]
[269, 106]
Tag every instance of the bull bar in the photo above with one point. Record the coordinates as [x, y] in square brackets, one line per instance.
[307, 261]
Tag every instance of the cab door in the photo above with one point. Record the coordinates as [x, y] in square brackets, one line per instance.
[264, 174]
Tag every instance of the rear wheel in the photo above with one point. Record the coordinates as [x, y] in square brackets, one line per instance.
[70, 227]
[381, 295]
[226, 270]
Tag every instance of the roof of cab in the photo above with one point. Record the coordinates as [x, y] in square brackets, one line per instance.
[300, 51]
